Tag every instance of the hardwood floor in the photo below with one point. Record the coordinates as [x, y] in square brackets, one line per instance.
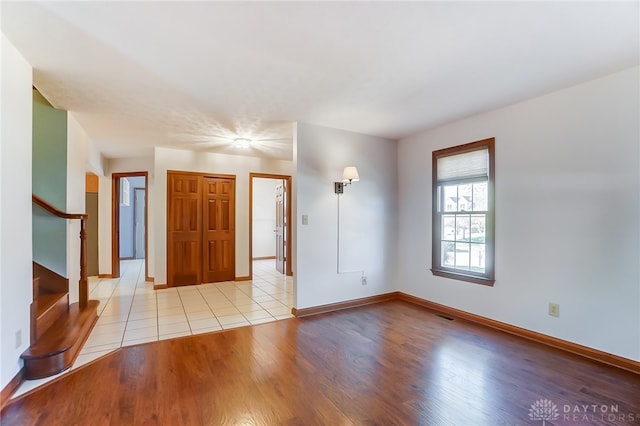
[388, 363]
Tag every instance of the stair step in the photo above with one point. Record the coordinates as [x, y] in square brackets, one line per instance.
[49, 307]
[58, 347]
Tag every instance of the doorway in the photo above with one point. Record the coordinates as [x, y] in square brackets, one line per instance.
[129, 220]
[270, 221]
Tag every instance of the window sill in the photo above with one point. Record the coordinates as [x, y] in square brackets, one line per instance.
[463, 277]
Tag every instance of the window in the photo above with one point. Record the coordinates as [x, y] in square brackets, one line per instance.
[124, 192]
[463, 212]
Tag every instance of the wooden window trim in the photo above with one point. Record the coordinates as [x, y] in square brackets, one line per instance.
[488, 278]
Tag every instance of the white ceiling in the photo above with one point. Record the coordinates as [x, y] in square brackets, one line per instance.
[199, 74]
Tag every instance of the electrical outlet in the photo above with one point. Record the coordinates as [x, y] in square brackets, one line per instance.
[18, 338]
[363, 280]
[554, 309]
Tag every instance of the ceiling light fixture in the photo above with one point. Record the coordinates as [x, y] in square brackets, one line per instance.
[242, 142]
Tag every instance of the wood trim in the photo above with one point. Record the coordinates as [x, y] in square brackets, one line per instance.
[115, 226]
[488, 278]
[263, 258]
[205, 174]
[105, 276]
[160, 286]
[115, 221]
[305, 312]
[463, 277]
[54, 210]
[11, 387]
[584, 351]
[288, 257]
[146, 227]
[149, 279]
[245, 278]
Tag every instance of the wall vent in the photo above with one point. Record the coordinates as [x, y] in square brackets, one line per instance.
[444, 317]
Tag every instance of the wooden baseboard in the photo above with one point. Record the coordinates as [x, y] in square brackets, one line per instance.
[149, 279]
[160, 286]
[305, 312]
[246, 278]
[585, 351]
[11, 387]
[264, 258]
[105, 276]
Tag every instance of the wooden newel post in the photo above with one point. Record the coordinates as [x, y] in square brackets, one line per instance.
[83, 283]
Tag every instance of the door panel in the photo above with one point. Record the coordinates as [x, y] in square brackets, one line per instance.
[219, 233]
[225, 215]
[211, 214]
[211, 264]
[139, 223]
[184, 229]
[186, 255]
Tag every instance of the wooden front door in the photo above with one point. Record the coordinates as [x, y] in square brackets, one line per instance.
[280, 218]
[200, 228]
[218, 254]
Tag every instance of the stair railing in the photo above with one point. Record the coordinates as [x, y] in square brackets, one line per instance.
[83, 284]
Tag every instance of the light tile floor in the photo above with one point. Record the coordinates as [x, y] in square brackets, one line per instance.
[132, 312]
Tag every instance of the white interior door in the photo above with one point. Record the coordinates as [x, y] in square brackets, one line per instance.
[138, 224]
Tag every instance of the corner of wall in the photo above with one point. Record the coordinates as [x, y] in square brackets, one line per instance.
[15, 223]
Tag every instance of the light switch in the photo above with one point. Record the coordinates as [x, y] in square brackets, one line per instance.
[305, 219]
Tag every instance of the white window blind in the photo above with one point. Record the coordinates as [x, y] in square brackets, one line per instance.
[468, 165]
[124, 191]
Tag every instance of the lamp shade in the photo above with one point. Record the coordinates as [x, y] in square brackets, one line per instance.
[350, 174]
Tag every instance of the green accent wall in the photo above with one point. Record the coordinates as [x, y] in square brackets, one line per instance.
[49, 182]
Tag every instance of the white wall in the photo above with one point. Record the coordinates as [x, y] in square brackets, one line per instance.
[15, 208]
[95, 160]
[175, 159]
[368, 219]
[567, 209]
[77, 154]
[264, 217]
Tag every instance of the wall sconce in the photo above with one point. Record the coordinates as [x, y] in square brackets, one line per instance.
[349, 175]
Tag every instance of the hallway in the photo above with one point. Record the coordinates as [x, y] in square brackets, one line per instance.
[132, 312]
